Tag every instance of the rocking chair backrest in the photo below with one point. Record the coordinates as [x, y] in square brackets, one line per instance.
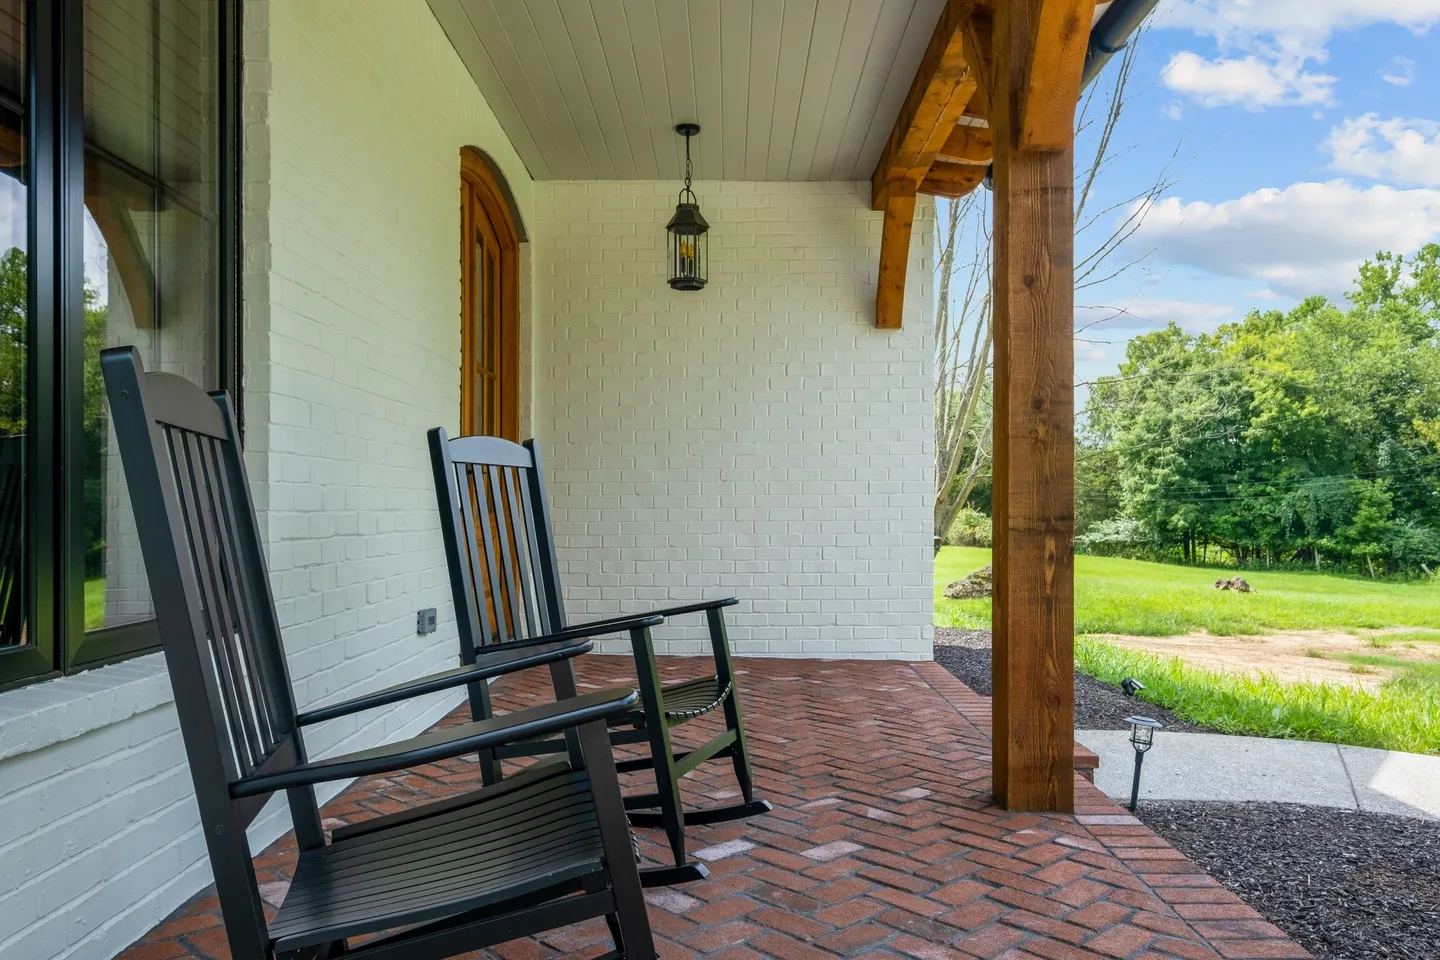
[12, 539]
[495, 517]
[202, 552]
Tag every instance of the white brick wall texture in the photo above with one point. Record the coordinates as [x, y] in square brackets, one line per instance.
[759, 438]
[353, 127]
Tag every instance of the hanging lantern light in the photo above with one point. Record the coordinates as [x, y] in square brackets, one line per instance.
[689, 248]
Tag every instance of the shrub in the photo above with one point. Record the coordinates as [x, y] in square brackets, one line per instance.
[970, 528]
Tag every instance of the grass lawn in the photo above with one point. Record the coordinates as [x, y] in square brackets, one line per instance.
[1403, 715]
[94, 603]
[1160, 600]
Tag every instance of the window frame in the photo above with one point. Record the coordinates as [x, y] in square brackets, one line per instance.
[55, 177]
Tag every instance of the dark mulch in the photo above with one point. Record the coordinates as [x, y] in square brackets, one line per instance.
[1098, 706]
[1345, 885]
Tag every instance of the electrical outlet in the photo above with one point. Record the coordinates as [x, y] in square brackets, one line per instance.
[425, 621]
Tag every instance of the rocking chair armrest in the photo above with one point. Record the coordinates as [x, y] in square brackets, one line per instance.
[488, 664]
[595, 628]
[698, 607]
[532, 722]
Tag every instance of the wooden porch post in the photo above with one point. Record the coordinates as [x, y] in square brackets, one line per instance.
[1038, 54]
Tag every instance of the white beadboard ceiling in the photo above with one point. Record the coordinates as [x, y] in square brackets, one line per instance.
[783, 89]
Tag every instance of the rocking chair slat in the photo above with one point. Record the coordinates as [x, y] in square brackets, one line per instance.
[521, 551]
[442, 880]
[505, 551]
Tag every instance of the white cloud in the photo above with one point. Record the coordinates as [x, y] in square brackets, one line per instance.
[1401, 151]
[1294, 26]
[1307, 238]
[1265, 46]
[1399, 72]
[1154, 313]
[1251, 81]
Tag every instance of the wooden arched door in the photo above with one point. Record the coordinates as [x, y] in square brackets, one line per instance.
[489, 302]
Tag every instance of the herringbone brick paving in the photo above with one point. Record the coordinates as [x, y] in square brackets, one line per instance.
[883, 843]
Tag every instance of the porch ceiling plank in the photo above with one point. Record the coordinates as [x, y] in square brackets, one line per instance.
[622, 41]
[826, 37]
[766, 28]
[952, 180]
[673, 90]
[735, 33]
[704, 39]
[783, 89]
[1033, 707]
[860, 23]
[797, 31]
[894, 256]
[919, 30]
[587, 79]
[1050, 89]
[916, 31]
[942, 87]
[510, 37]
[462, 36]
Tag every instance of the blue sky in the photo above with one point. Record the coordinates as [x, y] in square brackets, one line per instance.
[1308, 137]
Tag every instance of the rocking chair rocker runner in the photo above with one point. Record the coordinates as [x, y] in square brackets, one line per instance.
[544, 849]
[505, 580]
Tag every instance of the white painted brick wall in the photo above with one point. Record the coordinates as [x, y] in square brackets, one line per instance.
[758, 438]
[354, 125]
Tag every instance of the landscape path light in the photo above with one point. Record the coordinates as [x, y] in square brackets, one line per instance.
[1142, 738]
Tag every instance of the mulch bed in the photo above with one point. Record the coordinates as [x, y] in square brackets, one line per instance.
[1345, 885]
[1098, 706]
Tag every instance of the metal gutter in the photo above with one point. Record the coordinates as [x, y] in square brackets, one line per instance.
[1107, 37]
[1110, 34]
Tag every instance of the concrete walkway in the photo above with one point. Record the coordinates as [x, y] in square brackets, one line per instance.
[1210, 766]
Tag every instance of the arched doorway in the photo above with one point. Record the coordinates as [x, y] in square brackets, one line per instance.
[490, 235]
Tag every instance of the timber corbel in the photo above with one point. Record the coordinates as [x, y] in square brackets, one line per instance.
[943, 87]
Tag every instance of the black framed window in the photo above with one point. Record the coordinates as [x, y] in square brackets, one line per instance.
[119, 212]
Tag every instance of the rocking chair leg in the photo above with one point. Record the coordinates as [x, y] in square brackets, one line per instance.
[629, 924]
[739, 755]
[480, 709]
[667, 785]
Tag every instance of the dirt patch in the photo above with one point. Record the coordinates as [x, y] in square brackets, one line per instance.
[1309, 656]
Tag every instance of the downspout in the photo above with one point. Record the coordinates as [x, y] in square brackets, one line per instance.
[1107, 38]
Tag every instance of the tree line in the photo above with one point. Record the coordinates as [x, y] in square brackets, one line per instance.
[1303, 437]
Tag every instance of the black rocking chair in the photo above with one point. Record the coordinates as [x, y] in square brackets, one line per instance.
[505, 580]
[12, 540]
[546, 848]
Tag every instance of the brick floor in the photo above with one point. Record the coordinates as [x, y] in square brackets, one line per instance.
[883, 842]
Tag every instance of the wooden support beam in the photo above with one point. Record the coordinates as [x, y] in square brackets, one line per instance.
[1034, 442]
[968, 144]
[894, 256]
[943, 86]
[1057, 34]
[952, 180]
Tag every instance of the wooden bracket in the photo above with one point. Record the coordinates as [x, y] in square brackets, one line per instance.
[1057, 33]
[894, 256]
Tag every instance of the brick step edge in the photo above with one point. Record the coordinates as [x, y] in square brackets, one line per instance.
[1086, 762]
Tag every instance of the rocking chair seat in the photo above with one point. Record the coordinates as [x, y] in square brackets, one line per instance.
[536, 832]
[684, 701]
